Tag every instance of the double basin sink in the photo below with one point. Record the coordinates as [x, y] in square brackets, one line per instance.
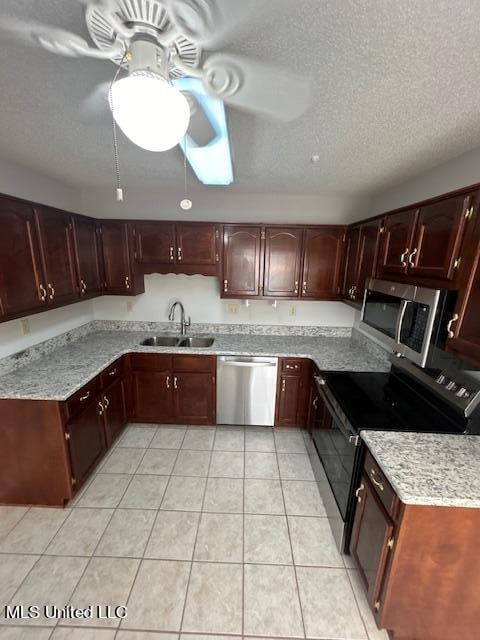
[178, 341]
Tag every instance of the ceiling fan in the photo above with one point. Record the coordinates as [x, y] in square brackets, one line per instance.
[154, 43]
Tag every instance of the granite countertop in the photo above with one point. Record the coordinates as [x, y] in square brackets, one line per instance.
[429, 468]
[59, 374]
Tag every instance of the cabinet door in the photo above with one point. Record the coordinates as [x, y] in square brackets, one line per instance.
[86, 441]
[438, 238]
[289, 391]
[56, 246]
[372, 530]
[322, 263]
[116, 257]
[87, 256]
[153, 396]
[397, 242]
[351, 272]
[367, 256]
[21, 278]
[115, 410]
[241, 261]
[196, 244]
[155, 242]
[194, 398]
[283, 252]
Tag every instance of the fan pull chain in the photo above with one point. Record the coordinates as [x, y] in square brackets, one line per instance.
[186, 203]
[119, 190]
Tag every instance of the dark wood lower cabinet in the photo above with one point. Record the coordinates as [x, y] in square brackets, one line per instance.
[153, 396]
[85, 435]
[293, 392]
[419, 564]
[114, 410]
[194, 398]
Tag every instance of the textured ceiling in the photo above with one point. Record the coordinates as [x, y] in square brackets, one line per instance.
[395, 91]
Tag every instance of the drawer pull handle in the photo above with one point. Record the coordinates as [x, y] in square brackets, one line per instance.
[172, 257]
[403, 256]
[411, 257]
[378, 484]
[167, 382]
[296, 286]
[284, 382]
[52, 291]
[85, 397]
[83, 287]
[291, 366]
[453, 319]
[43, 293]
[107, 402]
[101, 408]
[175, 382]
[113, 372]
[358, 492]
[127, 282]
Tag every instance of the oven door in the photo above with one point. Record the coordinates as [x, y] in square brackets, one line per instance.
[336, 444]
[383, 307]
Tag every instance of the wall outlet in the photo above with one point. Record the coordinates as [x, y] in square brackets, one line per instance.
[292, 311]
[232, 309]
[25, 324]
[129, 306]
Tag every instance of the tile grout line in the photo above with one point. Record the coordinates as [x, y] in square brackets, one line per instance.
[243, 529]
[290, 542]
[196, 537]
[151, 531]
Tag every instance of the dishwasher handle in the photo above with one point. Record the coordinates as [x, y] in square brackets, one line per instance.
[240, 363]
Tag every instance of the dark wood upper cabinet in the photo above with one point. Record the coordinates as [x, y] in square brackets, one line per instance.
[438, 237]
[372, 530]
[155, 242]
[283, 261]
[197, 244]
[397, 242]
[22, 285]
[368, 245]
[87, 255]
[118, 259]
[323, 262]
[242, 247]
[56, 247]
[351, 270]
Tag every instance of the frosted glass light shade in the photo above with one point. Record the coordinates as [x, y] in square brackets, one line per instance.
[150, 112]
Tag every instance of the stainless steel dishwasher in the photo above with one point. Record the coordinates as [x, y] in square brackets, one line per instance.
[246, 390]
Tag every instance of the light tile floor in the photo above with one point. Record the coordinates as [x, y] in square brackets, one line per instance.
[200, 531]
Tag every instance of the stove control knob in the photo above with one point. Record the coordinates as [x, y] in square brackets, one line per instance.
[441, 379]
[463, 393]
[452, 386]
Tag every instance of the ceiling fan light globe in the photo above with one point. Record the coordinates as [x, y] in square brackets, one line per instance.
[150, 112]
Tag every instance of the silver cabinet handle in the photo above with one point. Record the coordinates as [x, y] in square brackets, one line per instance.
[453, 319]
[296, 286]
[291, 366]
[225, 285]
[172, 253]
[315, 402]
[378, 484]
[304, 288]
[411, 257]
[85, 397]
[175, 382]
[83, 287]
[52, 291]
[358, 492]
[284, 383]
[112, 372]
[354, 292]
[403, 256]
[179, 254]
[167, 382]
[101, 408]
[106, 401]
[43, 293]
[127, 282]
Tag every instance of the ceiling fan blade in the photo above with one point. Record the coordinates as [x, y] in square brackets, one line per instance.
[210, 23]
[200, 128]
[53, 39]
[256, 86]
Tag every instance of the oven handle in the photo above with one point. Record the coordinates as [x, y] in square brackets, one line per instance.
[401, 316]
[325, 393]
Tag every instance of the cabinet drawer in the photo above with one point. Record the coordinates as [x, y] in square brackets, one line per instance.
[112, 373]
[381, 486]
[194, 363]
[81, 398]
[293, 366]
[150, 362]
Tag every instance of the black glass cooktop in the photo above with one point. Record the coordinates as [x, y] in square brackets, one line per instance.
[383, 401]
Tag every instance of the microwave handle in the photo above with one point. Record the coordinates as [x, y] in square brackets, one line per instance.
[401, 316]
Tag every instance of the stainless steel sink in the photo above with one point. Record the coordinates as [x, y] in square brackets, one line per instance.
[178, 341]
[196, 342]
[160, 341]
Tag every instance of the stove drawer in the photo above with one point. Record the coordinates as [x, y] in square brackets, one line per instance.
[381, 486]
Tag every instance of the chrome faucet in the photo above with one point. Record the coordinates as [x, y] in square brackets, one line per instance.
[184, 323]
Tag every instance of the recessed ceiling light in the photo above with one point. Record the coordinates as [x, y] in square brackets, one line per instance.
[315, 158]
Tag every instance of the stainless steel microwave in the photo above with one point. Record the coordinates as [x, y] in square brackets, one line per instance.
[407, 319]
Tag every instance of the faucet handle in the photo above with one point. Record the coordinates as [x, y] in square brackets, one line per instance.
[188, 323]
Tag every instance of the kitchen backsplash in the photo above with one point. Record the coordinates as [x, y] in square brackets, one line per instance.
[30, 354]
